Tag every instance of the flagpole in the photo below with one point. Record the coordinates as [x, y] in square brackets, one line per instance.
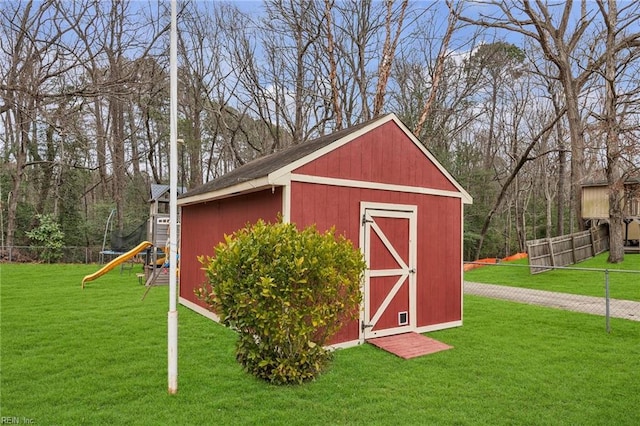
[172, 317]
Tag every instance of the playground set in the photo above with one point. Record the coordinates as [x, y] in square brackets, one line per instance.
[152, 248]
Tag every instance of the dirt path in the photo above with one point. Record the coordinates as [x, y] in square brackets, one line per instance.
[625, 309]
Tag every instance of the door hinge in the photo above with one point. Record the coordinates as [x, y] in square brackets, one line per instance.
[364, 326]
[365, 220]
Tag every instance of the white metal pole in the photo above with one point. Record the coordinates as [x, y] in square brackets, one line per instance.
[172, 316]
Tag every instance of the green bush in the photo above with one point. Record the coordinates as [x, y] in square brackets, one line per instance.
[286, 292]
[49, 236]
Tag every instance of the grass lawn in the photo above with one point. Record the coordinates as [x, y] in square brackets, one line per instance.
[589, 283]
[98, 356]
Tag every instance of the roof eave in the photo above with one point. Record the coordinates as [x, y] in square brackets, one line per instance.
[229, 191]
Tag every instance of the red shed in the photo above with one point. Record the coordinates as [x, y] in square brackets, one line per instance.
[378, 185]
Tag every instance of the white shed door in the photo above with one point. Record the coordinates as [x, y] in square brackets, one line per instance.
[388, 241]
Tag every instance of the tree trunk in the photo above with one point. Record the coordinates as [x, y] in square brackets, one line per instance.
[616, 214]
[333, 68]
[117, 146]
[133, 137]
[438, 71]
[548, 200]
[615, 175]
[195, 153]
[560, 197]
[101, 141]
[388, 53]
[16, 178]
[576, 130]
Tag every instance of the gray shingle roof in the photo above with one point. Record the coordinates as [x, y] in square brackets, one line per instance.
[261, 167]
[158, 190]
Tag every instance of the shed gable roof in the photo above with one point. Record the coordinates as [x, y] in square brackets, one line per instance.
[265, 171]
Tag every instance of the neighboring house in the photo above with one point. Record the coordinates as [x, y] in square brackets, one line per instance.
[378, 185]
[595, 207]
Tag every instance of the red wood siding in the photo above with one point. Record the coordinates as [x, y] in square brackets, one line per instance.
[203, 226]
[439, 288]
[439, 241]
[385, 155]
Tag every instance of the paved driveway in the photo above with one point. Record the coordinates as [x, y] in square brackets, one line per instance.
[571, 302]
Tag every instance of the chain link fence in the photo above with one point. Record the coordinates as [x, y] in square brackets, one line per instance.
[606, 305]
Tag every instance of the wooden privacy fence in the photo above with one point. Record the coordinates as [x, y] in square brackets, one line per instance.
[565, 250]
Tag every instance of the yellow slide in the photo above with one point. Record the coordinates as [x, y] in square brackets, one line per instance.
[117, 261]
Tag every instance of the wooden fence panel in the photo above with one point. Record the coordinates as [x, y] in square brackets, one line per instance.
[565, 250]
[601, 239]
[540, 253]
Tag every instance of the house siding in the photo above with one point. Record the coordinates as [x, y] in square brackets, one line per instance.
[439, 286]
[386, 156]
[204, 225]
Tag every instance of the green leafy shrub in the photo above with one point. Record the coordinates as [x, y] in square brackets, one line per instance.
[49, 236]
[286, 292]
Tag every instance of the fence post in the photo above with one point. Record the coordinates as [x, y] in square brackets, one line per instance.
[606, 296]
[551, 253]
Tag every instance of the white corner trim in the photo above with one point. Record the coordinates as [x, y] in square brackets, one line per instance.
[280, 180]
[199, 309]
[286, 204]
[461, 266]
[350, 183]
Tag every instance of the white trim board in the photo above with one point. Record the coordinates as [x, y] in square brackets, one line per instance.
[350, 183]
[436, 327]
[199, 309]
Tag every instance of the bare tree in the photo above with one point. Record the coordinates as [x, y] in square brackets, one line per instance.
[452, 22]
[616, 65]
[519, 162]
[388, 51]
[333, 67]
[33, 58]
[498, 65]
[433, 71]
[112, 37]
[560, 42]
[292, 29]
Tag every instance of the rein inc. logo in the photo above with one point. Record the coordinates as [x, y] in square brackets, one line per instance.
[5, 420]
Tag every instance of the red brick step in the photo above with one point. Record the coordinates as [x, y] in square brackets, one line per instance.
[409, 345]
